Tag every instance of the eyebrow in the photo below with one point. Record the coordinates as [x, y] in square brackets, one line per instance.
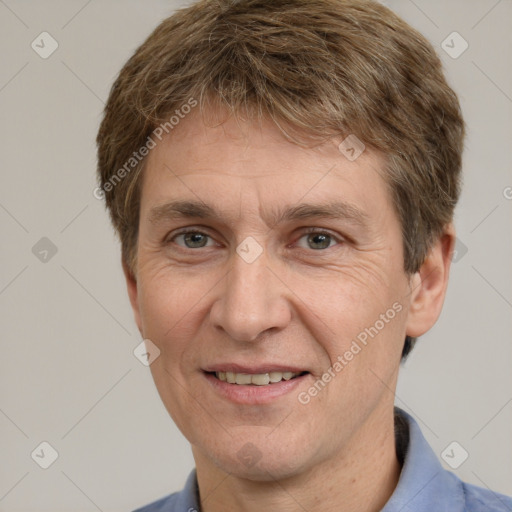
[180, 209]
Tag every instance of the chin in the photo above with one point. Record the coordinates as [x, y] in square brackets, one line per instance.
[269, 464]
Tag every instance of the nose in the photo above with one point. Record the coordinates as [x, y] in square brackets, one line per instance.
[252, 300]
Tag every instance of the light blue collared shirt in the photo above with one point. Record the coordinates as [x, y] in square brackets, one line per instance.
[424, 485]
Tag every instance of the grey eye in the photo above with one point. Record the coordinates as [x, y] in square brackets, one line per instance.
[319, 240]
[194, 239]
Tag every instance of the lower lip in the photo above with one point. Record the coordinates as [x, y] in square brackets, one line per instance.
[251, 394]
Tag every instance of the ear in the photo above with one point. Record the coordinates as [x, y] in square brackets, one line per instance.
[429, 284]
[131, 285]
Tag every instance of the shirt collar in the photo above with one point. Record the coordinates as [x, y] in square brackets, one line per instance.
[424, 485]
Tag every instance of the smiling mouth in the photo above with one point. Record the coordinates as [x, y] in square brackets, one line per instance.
[255, 379]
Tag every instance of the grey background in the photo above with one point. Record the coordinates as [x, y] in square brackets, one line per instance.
[68, 373]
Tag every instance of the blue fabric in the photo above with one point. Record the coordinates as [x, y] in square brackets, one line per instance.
[424, 485]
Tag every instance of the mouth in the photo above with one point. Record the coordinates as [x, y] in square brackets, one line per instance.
[256, 379]
[254, 386]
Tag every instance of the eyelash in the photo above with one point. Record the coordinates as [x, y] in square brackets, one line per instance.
[307, 231]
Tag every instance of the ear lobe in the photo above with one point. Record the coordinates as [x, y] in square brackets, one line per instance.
[429, 285]
[131, 285]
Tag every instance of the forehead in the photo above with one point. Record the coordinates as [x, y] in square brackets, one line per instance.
[201, 132]
[207, 162]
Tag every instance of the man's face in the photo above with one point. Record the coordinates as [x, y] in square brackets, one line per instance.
[251, 290]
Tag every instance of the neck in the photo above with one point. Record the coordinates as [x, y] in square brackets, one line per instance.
[362, 478]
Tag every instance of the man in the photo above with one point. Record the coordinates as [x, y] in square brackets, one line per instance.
[282, 176]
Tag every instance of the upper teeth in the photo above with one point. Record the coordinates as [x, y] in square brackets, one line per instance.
[259, 379]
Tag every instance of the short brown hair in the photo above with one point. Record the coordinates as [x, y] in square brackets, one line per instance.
[322, 67]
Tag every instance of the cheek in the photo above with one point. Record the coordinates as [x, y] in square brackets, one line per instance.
[351, 298]
[357, 315]
[167, 302]
[170, 304]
